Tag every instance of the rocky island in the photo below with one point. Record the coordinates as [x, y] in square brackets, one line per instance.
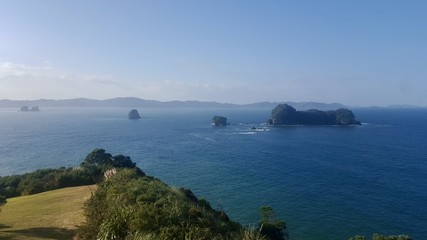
[284, 114]
[219, 121]
[133, 114]
[27, 109]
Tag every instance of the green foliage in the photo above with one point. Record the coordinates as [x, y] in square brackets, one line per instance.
[116, 224]
[250, 233]
[3, 201]
[98, 157]
[391, 237]
[284, 114]
[90, 172]
[382, 237]
[30, 186]
[358, 237]
[44, 180]
[129, 205]
[271, 227]
[121, 161]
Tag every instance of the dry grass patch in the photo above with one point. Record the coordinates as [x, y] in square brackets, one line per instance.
[49, 215]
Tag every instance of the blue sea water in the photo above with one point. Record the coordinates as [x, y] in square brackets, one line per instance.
[326, 182]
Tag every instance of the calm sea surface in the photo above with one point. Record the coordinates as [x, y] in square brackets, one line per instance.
[326, 182]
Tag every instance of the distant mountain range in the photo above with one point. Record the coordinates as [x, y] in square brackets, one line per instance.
[133, 102]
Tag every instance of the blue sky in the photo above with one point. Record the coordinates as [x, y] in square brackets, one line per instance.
[359, 52]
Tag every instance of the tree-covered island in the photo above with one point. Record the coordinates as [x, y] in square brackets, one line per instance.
[219, 121]
[284, 114]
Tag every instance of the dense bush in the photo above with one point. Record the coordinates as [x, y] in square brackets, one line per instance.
[270, 226]
[284, 114]
[129, 204]
[45, 180]
[90, 172]
[382, 237]
[2, 201]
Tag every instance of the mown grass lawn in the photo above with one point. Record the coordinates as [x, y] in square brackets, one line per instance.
[49, 215]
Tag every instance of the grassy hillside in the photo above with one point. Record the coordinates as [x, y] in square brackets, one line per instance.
[48, 215]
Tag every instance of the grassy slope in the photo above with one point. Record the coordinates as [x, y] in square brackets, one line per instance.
[48, 215]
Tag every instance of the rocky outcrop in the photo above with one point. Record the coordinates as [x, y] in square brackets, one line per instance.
[219, 121]
[284, 114]
[27, 109]
[24, 109]
[133, 114]
[35, 109]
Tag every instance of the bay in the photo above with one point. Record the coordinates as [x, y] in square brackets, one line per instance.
[326, 182]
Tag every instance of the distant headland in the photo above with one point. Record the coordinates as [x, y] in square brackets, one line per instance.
[133, 102]
[284, 114]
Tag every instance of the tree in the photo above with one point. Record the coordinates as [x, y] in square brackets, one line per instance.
[98, 157]
[2, 201]
[271, 227]
[122, 161]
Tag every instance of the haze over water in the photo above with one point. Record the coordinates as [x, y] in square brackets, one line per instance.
[326, 182]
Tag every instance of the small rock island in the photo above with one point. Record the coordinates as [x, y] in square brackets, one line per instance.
[219, 121]
[27, 109]
[284, 114]
[134, 115]
[35, 109]
[24, 109]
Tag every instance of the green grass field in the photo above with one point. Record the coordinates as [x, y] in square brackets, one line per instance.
[49, 215]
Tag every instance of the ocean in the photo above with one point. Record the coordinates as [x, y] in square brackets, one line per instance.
[326, 182]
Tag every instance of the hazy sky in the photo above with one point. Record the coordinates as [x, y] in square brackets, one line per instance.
[360, 52]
